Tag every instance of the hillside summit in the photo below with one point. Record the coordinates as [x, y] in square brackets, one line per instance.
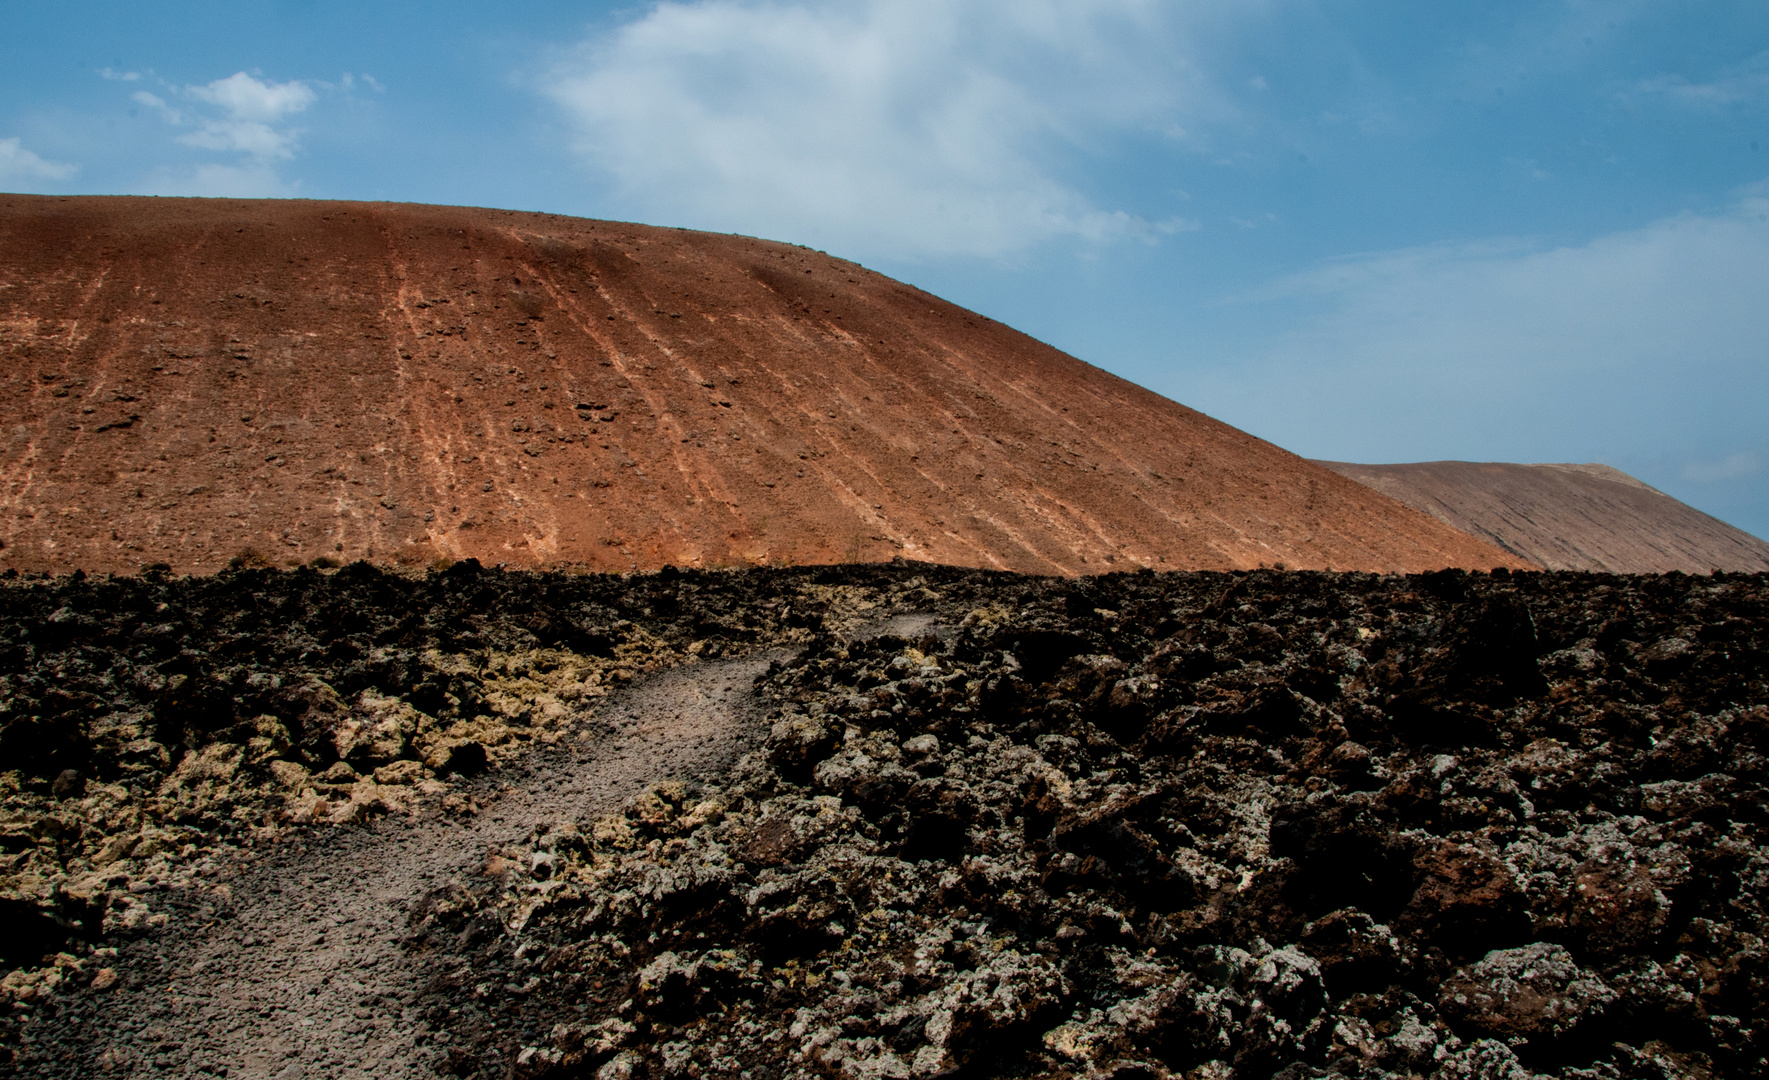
[193, 382]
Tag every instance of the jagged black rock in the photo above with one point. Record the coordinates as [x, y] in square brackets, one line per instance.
[1213, 825]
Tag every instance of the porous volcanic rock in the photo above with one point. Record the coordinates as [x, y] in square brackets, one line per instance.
[1258, 825]
[1140, 825]
[1568, 517]
[153, 727]
[199, 382]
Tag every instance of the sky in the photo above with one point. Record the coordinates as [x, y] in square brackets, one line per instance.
[1367, 230]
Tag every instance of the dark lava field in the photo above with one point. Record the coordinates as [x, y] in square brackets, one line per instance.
[1236, 825]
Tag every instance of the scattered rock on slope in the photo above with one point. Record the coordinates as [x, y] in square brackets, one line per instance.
[198, 382]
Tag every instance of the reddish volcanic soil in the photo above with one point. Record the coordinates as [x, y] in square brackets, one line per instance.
[1568, 517]
[191, 382]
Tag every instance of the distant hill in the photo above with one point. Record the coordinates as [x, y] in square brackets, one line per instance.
[1567, 517]
[194, 381]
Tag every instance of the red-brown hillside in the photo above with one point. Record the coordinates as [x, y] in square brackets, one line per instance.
[1568, 517]
[189, 381]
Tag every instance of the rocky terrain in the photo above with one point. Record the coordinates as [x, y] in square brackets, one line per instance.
[1214, 825]
[151, 727]
[1568, 517]
[206, 382]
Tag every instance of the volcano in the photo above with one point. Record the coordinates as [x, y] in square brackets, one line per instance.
[1587, 517]
[198, 383]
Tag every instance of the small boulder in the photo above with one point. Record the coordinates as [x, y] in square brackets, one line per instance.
[1616, 906]
[339, 772]
[1536, 991]
[457, 757]
[1467, 899]
[68, 785]
[771, 842]
[400, 772]
[921, 745]
[289, 774]
[379, 731]
[797, 743]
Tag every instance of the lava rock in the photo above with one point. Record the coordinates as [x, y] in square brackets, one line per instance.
[1536, 991]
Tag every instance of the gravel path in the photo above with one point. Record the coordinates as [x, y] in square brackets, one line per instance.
[301, 975]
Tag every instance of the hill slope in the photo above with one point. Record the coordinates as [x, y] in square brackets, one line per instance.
[194, 381]
[1568, 517]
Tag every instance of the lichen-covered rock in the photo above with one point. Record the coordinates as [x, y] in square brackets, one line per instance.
[153, 728]
[798, 744]
[1221, 827]
[1532, 992]
[1484, 1059]
[1201, 826]
[379, 731]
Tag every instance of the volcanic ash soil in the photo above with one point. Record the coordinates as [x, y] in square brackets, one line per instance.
[1211, 825]
[182, 381]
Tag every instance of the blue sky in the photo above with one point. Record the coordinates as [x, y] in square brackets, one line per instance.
[1374, 231]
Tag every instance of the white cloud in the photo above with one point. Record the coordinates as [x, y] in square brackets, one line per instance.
[1645, 346]
[245, 136]
[250, 108]
[242, 115]
[17, 163]
[250, 112]
[893, 127]
[1745, 84]
[248, 99]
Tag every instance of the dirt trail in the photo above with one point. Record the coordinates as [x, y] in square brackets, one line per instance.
[302, 974]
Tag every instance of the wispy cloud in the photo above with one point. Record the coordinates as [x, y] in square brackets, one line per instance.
[241, 114]
[17, 163]
[157, 104]
[251, 117]
[1745, 84]
[1645, 344]
[1730, 467]
[898, 127]
[1656, 290]
[248, 180]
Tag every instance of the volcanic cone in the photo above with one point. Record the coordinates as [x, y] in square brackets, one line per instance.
[199, 382]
